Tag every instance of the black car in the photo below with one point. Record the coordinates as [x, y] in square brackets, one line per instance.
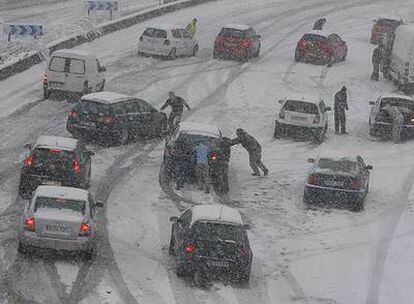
[341, 180]
[213, 240]
[115, 117]
[58, 161]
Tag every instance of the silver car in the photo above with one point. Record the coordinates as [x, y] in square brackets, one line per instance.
[61, 218]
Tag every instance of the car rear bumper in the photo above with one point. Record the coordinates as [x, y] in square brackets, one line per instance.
[210, 265]
[231, 52]
[28, 238]
[91, 130]
[298, 130]
[314, 57]
[154, 50]
[326, 194]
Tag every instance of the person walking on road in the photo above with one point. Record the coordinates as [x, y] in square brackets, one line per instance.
[340, 105]
[318, 26]
[253, 148]
[397, 121]
[376, 60]
[202, 168]
[177, 106]
[192, 27]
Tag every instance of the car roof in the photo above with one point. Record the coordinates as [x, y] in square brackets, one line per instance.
[319, 33]
[397, 96]
[392, 18]
[199, 128]
[165, 26]
[106, 97]
[73, 53]
[63, 143]
[62, 192]
[305, 98]
[240, 27]
[215, 213]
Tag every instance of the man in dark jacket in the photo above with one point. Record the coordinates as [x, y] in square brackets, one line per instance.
[340, 105]
[318, 26]
[376, 60]
[253, 148]
[177, 106]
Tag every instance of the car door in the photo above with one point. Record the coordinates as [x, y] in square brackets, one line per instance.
[181, 229]
[188, 41]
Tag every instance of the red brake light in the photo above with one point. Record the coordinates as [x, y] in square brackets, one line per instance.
[246, 43]
[312, 180]
[191, 248]
[85, 230]
[73, 113]
[317, 119]
[76, 166]
[213, 156]
[29, 161]
[166, 42]
[302, 44]
[219, 39]
[30, 224]
[353, 184]
[108, 120]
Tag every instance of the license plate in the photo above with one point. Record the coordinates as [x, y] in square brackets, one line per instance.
[218, 264]
[334, 183]
[51, 183]
[88, 124]
[295, 117]
[56, 228]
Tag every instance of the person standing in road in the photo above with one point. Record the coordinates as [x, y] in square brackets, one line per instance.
[253, 148]
[376, 60]
[202, 168]
[318, 26]
[192, 27]
[340, 105]
[177, 106]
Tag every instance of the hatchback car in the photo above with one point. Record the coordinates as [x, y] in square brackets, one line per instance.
[179, 152]
[381, 27]
[61, 218]
[55, 160]
[168, 40]
[237, 41]
[302, 117]
[320, 48]
[115, 117]
[212, 239]
[343, 180]
[380, 122]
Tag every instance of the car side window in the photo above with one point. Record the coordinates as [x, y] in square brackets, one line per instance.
[119, 108]
[185, 34]
[185, 219]
[176, 33]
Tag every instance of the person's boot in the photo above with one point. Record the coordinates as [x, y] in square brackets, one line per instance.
[256, 174]
[266, 172]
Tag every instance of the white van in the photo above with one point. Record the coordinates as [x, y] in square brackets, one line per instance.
[402, 56]
[73, 71]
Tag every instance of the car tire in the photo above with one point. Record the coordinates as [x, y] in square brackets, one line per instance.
[173, 54]
[89, 254]
[216, 54]
[22, 249]
[244, 277]
[180, 270]
[358, 205]
[171, 249]
[194, 51]
[278, 132]
[256, 54]
[297, 56]
[307, 201]
[46, 94]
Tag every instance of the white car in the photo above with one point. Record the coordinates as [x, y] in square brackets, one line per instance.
[61, 218]
[167, 40]
[298, 115]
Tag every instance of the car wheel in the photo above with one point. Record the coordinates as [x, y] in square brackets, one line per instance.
[307, 201]
[171, 250]
[22, 249]
[372, 131]
[195, 51]
[46, 94]
[278, 132]
[172, 54]
[89, 254]
[256, 54]
[180, 270]
[358, 205]
[297, 56]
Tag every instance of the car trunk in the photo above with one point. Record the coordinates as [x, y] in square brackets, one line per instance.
[94, 114]
[219, 250]
[338, 181]
[302, 119]
[66, 74]
[61, 224]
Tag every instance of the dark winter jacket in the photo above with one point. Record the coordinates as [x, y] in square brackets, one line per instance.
[177, 104]
[248, 142]
[340, 103]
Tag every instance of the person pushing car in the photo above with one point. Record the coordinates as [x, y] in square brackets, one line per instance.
[177, 106]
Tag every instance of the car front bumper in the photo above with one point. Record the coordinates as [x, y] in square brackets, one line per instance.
[154, 50]
[298, 130]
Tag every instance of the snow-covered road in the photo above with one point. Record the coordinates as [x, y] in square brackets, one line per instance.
[300, 255]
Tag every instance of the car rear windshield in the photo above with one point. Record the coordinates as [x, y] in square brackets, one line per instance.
[229, 32]
[387, 22]
[192, 140]
[313, 38]
[59, 204]
[94, 109]
[67, 65]
[342, 165]
[217, 231]
[55, 155]
[300, 106]
[155, 33]
[398, 102]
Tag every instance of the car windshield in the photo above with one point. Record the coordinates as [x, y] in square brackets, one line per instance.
[342, 165]
[95, 109]
[301, 107]
[398, 102]
[313, 38]
[59, 204]
[45, 155]
[229, 32]
[192, 140]
[217, 231]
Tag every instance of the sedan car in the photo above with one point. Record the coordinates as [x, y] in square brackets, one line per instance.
[55, 160]
[383, 26]
[381, 123]
[299, 116]
[321, 48]
[167, 40]
[211, 239]
[115, 117]
[61, 218]
[344, 180]
[237, 41]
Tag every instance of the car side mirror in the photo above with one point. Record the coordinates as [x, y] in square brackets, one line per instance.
[28, 146]
[281, 101]
[99, 204]
[246, 226]
[368, 167]
[328, 109]
[174, 219]
[311, 160]
[103, 69]
[372, 103]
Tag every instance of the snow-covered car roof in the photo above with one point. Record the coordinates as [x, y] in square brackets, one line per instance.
[216, 213]
[62, 192]
[240, 27]
[400, 96]
[352, 159]
[304, 97]
[164, 26]
[199, 128]
[106, 97]
[74, 53]
[406, 30]
[320, 33]
[390, 17]
[63, 143]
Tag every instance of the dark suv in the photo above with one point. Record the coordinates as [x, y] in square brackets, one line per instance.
[211, 239]
[58, 161]
[115, 117]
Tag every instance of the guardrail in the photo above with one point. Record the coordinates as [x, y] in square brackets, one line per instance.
[33, 58]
